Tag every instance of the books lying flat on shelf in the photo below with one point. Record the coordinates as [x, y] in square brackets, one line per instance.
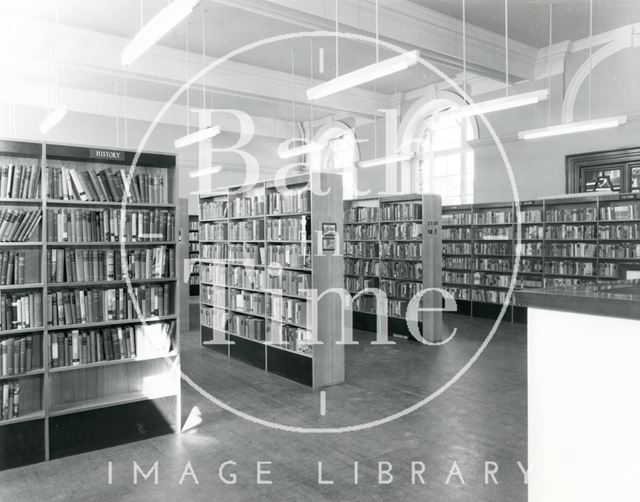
[88, 225]
[12, 267]
[80, 306]
[20, 181]
[16, 355]
[20, 310]
[10, 400]
[80, 265]
[18, 225]
[289, 201]
[106, 185]
[80, 347]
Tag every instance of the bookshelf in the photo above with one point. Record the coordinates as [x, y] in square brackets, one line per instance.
[194, 255]
[394, 244]
[66, 305]
[564, 241]
[259, 256]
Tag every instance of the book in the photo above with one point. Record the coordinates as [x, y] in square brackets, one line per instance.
[20, 181]
[21, 311]
[18, 225]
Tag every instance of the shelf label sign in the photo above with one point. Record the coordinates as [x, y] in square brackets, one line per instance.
[102, 154]
[432, 228]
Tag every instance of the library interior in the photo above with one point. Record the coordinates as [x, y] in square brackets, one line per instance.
[331, 250]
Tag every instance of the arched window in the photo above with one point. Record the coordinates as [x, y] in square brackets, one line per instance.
[341, 155]
[445, 160]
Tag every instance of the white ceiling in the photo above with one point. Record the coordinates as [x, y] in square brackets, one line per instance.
[529, 19]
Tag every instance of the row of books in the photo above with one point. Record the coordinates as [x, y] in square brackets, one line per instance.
[628, 211]
[213, 274]
[213, 232]
[246, 326]
[106, 185]
[193, 226]
[533, 215]
[80, 306]
[289, 201]
[246, 206]
[559, 282]
[575, 249]
[289, 229]
[20, 310]
[622, 250]
[249, 254]
[401, 211]
[365, 303]
[361, 232]
[362, 249]
[362, 267]
[530, 266]
[248, 278]
[290, 282]
[455, 219]
[80, 265]
[12, 267]
[288, 310]
[76, 348]
[20, 181]
[456, 234]
[492, 280]
[193, 235]
[532, 232]
[290, 337]
[250, 230]
[17, 355]
[494, 233]
[214, 209]
[19, 225]
[356, 284]
[10, 400]
[213, 318]
[361, 214]
[247, 301]
[88, 225]
[290, 255]
[457, 262]
[194, 247]
[531, 249]
[449, 277]
[560, 267]
[620, 232]
[609, 270]
[401, 250]
[456, 248]
[571, 232]
[569, 214]
[401, 270]
[459, 293]
[494, 264]
[399, 289]
[494, 248]
[213, 295]
[401, 231]
[488, 296]
[493, 217]
[529, 282]
[215, 251]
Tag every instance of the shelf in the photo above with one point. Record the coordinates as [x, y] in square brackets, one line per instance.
[130, 205]
[16, 287]
[118, 322]
[582, 222]
[280, 347]
[21, 244]
[32, 202]
[92, 284]
[413, 260]
[106, 402]
[493, 224]
[62, 369]
[570, 276]
[36, 372]
[36, 415]
[570, 240]
[288, 215]
[602, 258]
[361, 240]
[109, 244]
[254, 217]
[19, 332]
[405, 279]
[242, 312]
[301, 241]
[288, 323]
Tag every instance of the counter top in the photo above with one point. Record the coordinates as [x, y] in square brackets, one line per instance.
[615, 299]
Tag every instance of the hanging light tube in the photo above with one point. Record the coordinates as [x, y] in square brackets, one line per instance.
[384, 160]
[197, 137]
[161, 24]
[573, 127]
[367, 74]
[52, 119]
[288, 153]
[496, 105]
[205, 171]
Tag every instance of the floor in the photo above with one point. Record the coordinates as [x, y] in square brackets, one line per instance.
[480, 418]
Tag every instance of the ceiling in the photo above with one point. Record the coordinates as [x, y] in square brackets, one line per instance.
[529, 19]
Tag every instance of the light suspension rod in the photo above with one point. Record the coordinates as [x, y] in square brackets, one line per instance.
[573, 127]
[364, 75]
[159, 25]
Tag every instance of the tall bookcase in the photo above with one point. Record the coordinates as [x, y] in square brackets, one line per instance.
[194, 255]
[260, 252]
[99, 355]
[394, 244]
[565, 241]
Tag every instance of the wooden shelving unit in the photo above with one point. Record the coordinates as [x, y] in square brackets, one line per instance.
[67, 409]
[194, 255]
[394, 244]
[259, 238]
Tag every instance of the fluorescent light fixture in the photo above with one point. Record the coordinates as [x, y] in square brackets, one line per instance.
[363, 75]
[573, 127]
[286, 153]
[159, 25]
[205, 171]
[53, 118]
[384, 160]
[495, 105]
[197, 137]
